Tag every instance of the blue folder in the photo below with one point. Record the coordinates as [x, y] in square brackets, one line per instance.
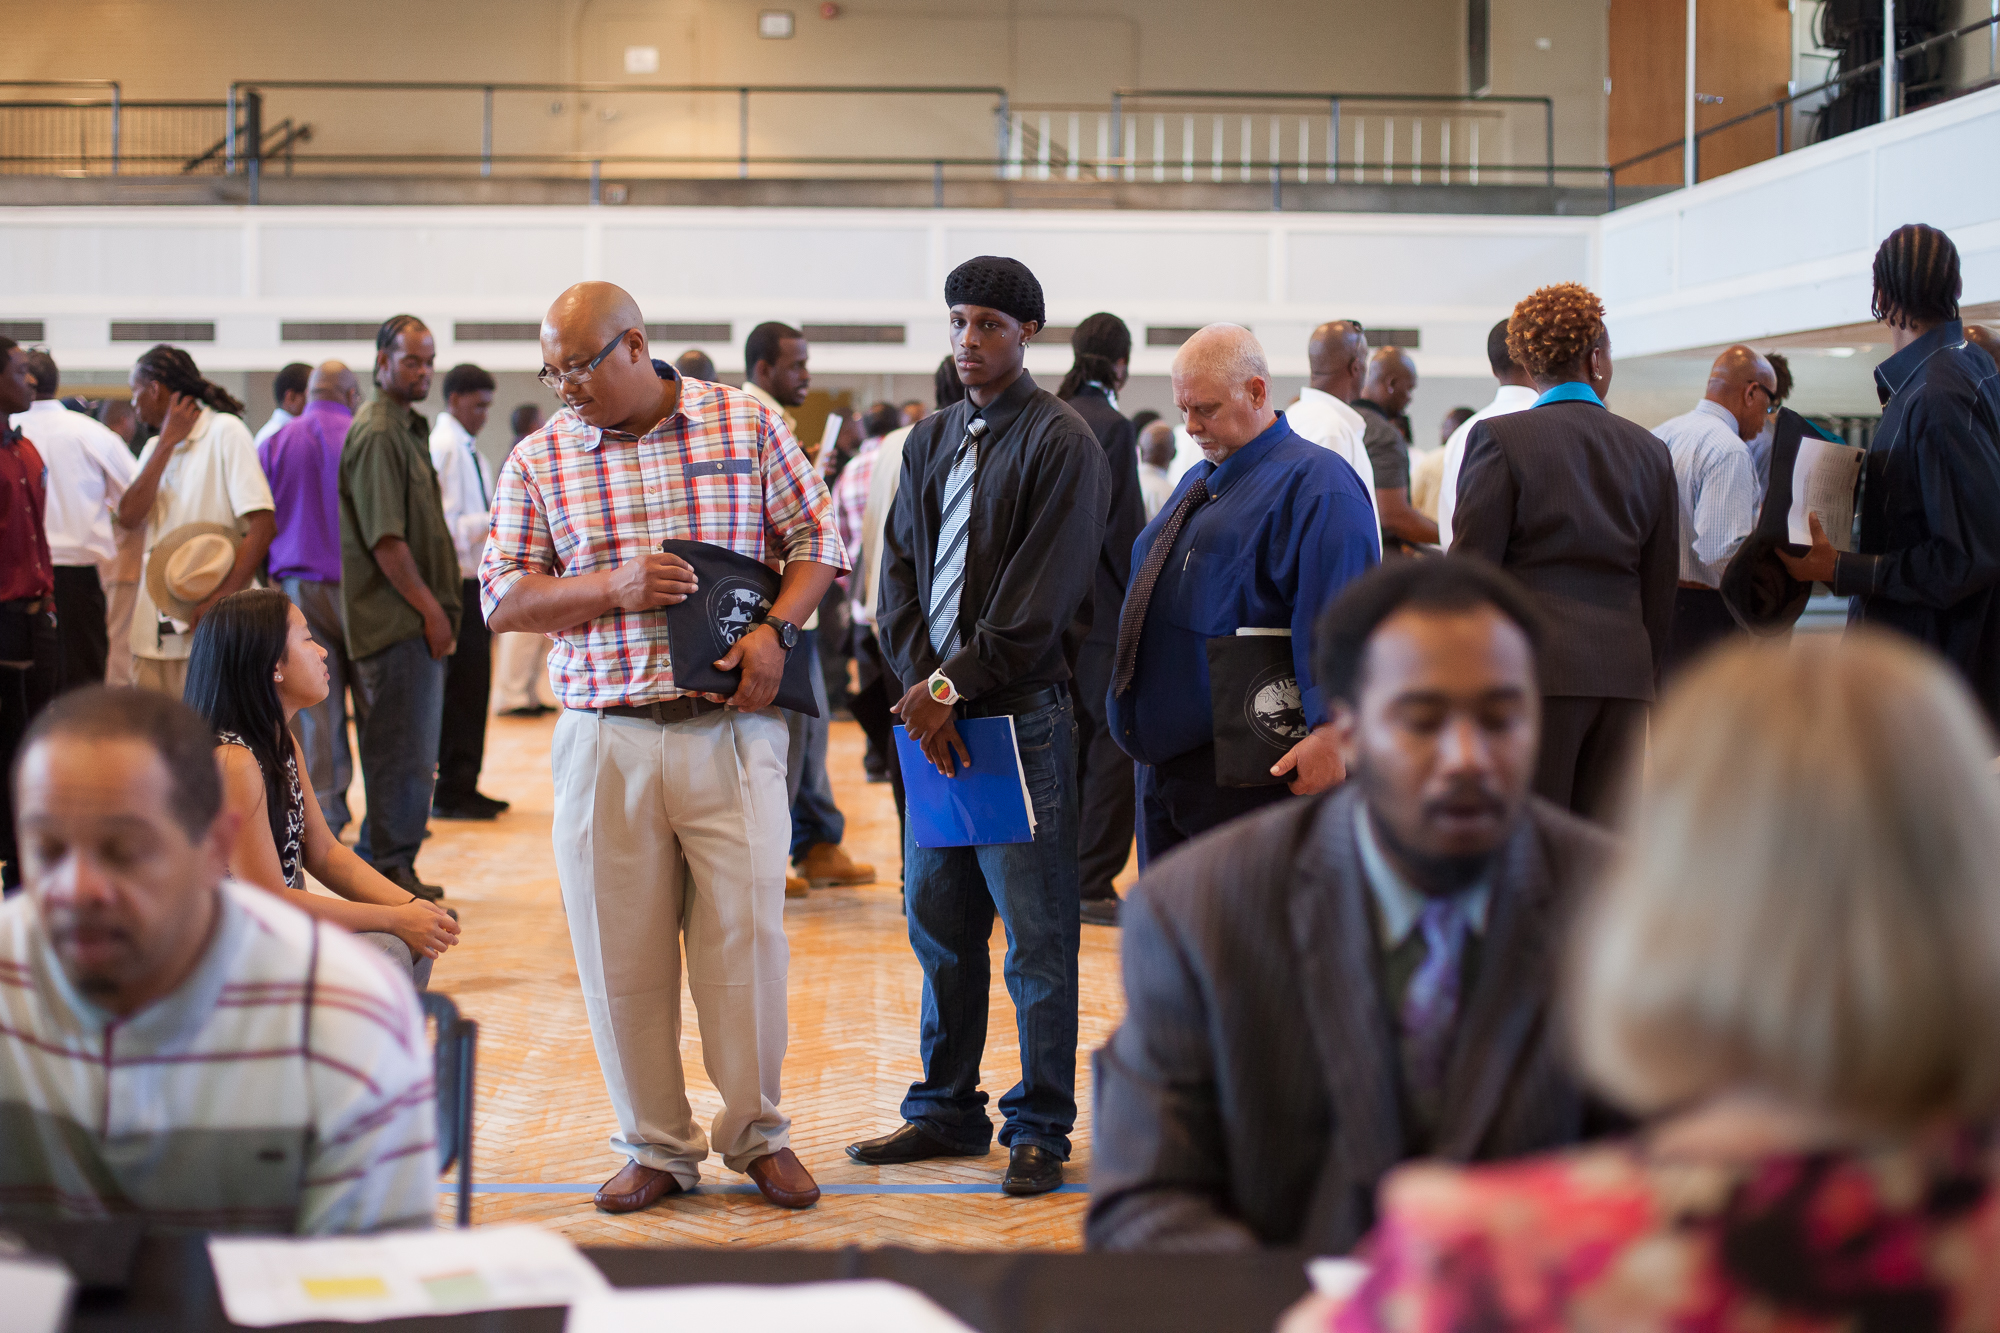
[982, 804]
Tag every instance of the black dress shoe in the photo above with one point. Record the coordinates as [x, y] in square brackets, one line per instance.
[463, 810]
[1101, 911]
[911, 1143]
[406, 879]
[1031, 1170]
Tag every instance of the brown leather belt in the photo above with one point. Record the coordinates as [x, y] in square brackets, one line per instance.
[666, 712]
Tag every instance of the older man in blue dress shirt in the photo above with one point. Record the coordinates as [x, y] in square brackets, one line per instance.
[1259, 535]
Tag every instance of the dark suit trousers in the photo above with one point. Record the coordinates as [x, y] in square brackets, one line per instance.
[86, 642]
[871, 703]
[1701, 620]
[1586, 745]
[1178, 800]
[468, 679]
[1106, 780]
[23, 693]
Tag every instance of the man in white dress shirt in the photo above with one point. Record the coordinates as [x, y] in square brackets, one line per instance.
[89, 469]
[1156, 453]
[1517, 393]
[1718, 490]
[465, 483]
[1337, 359]
[288, 393]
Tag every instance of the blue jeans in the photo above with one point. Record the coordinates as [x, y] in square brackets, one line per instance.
[815, 818]
[402, 688]
[951, 895]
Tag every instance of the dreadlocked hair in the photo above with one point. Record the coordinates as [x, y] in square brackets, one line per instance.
[1100, 343]
[385, 337]
[1916, 278]
[175, 371]
[1552, 331]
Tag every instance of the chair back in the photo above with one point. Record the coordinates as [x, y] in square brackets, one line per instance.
[457, 1041]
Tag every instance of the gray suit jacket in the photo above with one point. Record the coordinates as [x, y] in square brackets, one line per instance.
[1251, 1096]
[1581, 506]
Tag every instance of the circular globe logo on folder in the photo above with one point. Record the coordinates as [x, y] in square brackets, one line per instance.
[735, 605]
[1274, 709]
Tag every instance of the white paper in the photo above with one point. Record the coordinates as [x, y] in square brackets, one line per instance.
[828, 440]
[35, 1294]
[398, 1274]
[1250, 631]
[1337, 1279]
[822, 1307]
[1021, 772]
[1823, 481]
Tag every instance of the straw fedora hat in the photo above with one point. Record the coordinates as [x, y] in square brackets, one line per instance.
[188, 564]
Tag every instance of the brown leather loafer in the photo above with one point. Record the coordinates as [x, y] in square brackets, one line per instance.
[784, 1180]
[635, 1187]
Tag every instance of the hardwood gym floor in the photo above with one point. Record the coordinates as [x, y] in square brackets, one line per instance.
[542, 1116]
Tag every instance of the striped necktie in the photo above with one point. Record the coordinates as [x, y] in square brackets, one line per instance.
[948, 570]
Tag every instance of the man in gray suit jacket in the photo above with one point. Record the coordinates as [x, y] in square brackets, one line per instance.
[1582, 507]
[1327, 988]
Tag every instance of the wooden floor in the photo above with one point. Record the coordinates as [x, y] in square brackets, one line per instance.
[542, 1115]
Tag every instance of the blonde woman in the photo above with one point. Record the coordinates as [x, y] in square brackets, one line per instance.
[1795, 973]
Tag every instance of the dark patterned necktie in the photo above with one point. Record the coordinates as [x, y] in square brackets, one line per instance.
[1132, 620]
[1430, 1004]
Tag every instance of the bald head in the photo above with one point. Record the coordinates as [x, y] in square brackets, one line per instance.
[1222, 385]
[1985, 339]
[1337, 358]
[621, 391]
[1743, 383]
[1392, 380]
[1156, 444]
[333, 382]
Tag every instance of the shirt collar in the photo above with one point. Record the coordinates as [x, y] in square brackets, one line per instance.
[1514, 397]
[46, 405]
[1220, 477]
[326, 407]
[1571, 391]
[1397, 904]
[1003, 411]
[1322, 398]
[1109, 394]
[177, 1017]
[1710, 408]
[453, 429]
[682, 410]
[409, 414]
[1893, 374]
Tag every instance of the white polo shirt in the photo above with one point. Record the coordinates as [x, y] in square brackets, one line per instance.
[1331, 424]
[213, 477]
[89, 469]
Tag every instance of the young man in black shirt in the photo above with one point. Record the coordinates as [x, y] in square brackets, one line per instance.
[989, 554]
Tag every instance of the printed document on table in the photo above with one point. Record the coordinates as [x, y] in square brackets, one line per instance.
[1823, 483]
[823, 1307]
[398, 1275]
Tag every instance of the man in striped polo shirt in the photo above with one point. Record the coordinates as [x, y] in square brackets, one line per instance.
[175, 1045]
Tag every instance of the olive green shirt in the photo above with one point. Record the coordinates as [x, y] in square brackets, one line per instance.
[388, 488]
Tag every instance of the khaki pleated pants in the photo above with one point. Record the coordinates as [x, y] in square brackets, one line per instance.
[672, 837]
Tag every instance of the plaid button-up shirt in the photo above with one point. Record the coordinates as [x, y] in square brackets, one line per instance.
[576, 500]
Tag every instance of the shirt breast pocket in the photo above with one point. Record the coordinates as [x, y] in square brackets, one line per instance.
[1206, 595]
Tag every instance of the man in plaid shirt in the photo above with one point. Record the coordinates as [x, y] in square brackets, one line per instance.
[670, 817]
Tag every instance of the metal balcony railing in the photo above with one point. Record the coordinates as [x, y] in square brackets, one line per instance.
[1785, 110]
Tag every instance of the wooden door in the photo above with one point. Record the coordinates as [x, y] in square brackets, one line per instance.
[1743, 56]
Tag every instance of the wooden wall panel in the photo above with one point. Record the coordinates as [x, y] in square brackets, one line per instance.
[1742, 54]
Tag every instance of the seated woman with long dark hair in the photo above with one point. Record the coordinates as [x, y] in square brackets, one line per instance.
[253, 666]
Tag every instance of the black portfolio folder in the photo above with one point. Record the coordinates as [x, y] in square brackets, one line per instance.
[1253, 689]
[736, 594]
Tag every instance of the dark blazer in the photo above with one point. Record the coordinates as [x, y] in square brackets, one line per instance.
[1250, 1097]
[1580, 505]
[1128, 510]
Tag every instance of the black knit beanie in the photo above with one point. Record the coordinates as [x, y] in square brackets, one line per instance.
[998, 284]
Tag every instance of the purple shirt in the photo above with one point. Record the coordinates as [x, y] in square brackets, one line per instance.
[302, 461]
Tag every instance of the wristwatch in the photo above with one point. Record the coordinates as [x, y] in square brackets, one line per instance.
[787, 632]
[940, 688]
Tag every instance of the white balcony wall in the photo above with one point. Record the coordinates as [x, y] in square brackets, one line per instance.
[1789, 244]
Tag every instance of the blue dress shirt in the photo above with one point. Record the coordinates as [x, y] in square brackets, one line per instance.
[1286, 528]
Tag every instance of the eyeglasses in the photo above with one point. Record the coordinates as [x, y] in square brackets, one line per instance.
[1771, 399]
[559, 379]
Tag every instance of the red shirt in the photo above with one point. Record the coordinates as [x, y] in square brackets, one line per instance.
[25, 567]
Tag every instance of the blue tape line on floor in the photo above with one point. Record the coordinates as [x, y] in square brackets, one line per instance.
[577, 1187]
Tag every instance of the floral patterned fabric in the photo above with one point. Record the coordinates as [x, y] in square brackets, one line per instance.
[1608, 1238]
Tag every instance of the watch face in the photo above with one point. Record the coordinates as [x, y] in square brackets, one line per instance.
[941, 690]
